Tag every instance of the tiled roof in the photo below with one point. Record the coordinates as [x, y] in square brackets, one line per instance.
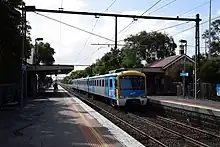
[163, 62]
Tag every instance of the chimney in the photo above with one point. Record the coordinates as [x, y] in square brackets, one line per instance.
[181, 49]
[153, 56]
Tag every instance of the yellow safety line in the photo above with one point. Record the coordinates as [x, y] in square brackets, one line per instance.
[94, 132]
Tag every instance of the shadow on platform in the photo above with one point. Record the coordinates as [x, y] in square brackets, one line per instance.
[46, 122]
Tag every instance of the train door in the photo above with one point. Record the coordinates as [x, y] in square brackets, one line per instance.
[93, 86]
[107, 87]
[112, 87]
[88, 85]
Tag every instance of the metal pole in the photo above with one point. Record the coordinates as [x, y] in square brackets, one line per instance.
[116, 32]
[210, 15]
[184, 68]
[196, 50]
[22, 56]
[33, 9]
[25, 50]
[35, 65]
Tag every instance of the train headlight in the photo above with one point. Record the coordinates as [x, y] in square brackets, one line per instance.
[144, 96]
[122, 97]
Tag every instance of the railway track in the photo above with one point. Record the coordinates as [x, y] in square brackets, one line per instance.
[150, 132]
[189, 133]
[141, 133]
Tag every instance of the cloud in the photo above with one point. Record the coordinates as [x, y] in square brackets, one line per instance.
[69, 46]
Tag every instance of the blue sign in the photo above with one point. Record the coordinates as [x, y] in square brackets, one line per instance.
[218, 89]
[24, 68]
[184, 74]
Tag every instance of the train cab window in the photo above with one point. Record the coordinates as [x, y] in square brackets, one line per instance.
[110, 84]
[116, 84]
[103, 83]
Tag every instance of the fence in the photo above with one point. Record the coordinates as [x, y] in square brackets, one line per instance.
[9, 93]
[205, 91]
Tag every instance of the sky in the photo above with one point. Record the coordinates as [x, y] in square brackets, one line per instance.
[73, 46]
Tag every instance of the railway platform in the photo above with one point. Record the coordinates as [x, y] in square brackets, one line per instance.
[207, 107]
[56, 119]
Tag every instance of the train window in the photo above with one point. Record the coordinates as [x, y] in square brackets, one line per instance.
[100, 83]
[103, 83]
[110, 84]
[106, 82]
[116, 84]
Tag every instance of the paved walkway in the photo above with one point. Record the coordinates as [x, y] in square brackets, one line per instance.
[48, 122]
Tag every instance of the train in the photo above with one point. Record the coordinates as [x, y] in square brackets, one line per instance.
[118, 88]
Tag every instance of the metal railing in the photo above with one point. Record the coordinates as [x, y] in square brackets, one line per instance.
[207, 91]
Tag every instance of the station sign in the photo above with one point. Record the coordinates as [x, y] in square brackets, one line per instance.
[184, 74]
[218, 89]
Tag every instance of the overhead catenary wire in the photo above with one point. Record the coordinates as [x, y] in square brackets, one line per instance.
[96, 22]
[194, 26]
[140, 15]
[83, 30]
[195, 8]
[192, 9]
[169, 3]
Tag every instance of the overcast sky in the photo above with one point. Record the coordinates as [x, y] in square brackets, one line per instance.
[69, 43]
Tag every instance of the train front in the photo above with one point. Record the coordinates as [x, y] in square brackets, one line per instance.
[132, 88]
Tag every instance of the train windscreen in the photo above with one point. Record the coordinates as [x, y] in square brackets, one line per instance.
[132, 83]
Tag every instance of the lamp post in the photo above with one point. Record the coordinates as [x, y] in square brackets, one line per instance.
[184, 44]
[35, 59]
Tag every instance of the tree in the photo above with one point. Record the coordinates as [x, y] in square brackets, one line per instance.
[10, 41]
[210, 71]
[45, 54]
[145, 44]
[215, 37]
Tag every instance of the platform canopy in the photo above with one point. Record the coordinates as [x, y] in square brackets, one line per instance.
[51, 69]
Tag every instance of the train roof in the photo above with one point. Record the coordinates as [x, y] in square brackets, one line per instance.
[110, 74]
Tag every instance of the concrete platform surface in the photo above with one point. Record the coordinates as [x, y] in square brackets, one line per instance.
[201, 106]
[59, 121]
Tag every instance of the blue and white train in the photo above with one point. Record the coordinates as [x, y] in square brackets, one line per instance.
[119, 88]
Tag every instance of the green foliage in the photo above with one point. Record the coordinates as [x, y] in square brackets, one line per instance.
[10, 41]
[137, 47]
[215, 31]
[45, 53]
[67, 80]
[210, 71]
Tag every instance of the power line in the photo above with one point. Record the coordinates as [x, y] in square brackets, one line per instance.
[194, 26]
[140, 15]
[96, 22]
[163, 6]
[75, 27]
[195, 8]
[188, 12]
[182, 23]
[134, 20]
[128, 26]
